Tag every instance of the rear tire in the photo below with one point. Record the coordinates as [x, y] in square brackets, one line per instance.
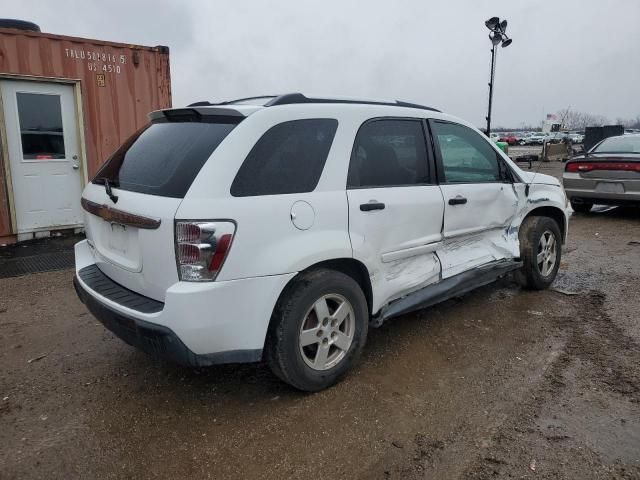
[311, 350]
[581, 207]
[540, 251]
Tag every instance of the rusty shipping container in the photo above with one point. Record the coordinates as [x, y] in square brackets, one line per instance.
[66, 104]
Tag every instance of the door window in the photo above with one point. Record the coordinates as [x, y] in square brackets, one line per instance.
[466, 156]
[41, 132]
[389, 153]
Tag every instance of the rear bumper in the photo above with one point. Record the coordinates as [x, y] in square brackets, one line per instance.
[156, 340]
[590, 196]
[199, 324]
[586, 190]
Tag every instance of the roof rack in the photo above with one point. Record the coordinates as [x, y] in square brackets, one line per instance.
[295, 98]
[298, 98]
[230, 102]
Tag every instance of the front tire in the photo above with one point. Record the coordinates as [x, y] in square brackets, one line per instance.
[540, 251]
[318, 330]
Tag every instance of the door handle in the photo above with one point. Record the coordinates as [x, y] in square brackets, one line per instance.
[75, 166]
[459, 200]
[372, 205]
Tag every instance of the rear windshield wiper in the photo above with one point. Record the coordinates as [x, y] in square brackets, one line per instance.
[108, 184]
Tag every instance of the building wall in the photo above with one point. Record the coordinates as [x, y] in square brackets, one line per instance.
[119, 83]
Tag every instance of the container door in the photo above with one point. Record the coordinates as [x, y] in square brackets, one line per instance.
[42, 129]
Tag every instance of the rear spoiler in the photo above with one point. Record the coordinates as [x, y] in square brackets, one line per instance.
[202, 114]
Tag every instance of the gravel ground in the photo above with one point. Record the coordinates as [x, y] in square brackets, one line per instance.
[500, 383]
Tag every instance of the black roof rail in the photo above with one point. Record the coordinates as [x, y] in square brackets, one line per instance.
[297, 98]
[205, 103]
[238, 100]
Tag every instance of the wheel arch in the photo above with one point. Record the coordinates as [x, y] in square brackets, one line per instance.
[555, 213]
[348, 266]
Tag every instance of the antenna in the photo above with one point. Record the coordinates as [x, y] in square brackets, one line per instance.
[528, 185]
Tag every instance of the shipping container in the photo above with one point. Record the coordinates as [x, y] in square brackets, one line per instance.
[66, 104]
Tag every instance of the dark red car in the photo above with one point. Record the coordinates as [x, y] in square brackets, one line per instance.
[509, 138]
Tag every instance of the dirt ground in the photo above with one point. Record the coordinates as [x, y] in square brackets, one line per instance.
[500, 383]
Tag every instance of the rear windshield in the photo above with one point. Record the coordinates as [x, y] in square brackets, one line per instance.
[621, 144]
[164, 158]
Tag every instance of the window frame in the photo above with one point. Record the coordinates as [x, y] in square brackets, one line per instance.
[506, 172]
[431, 164]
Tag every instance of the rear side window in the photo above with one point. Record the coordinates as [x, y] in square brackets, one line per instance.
[389, 153]
[288, 158]
[164, 158]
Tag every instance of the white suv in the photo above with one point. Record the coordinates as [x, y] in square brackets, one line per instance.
[281, 228]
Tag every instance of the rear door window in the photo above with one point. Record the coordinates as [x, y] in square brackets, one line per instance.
[165, 157]
[288, 158]
[388, 153]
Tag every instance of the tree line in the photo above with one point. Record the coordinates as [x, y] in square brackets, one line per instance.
[575, 120]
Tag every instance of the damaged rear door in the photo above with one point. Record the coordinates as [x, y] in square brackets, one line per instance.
[479, 199]
[395, 207]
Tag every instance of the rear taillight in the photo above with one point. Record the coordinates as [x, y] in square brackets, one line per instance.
[201, 249]
[579, 167]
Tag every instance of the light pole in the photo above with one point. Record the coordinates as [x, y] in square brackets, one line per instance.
[497, 36]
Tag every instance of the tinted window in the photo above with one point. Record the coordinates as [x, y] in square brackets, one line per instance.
[40, 126]
[622, 144]
[466, 155]
[387, 153]
[288, 158]
[164, 158]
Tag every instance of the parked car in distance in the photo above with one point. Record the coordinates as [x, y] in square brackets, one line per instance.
[521, 138]
[576, 137]
[509, 138]
[280, 229]
[608, 174]
[556, 137]
[536, 139]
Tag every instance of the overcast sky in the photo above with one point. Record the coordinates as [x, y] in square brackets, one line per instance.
[583, 54]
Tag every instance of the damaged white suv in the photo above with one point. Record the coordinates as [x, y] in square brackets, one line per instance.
[281, 228]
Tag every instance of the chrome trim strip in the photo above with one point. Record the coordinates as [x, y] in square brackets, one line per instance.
[113, 215]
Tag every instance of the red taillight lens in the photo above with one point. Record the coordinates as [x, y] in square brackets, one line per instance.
[201, 248]
[578, 167]
[222, 247]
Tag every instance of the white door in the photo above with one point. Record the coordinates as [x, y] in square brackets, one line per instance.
[479, 199]
[42, 131]
[395, 208]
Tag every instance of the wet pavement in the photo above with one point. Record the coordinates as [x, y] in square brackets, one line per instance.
[499, 383]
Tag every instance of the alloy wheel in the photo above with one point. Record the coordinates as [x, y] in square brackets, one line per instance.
[327, 332]
[547, 253]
